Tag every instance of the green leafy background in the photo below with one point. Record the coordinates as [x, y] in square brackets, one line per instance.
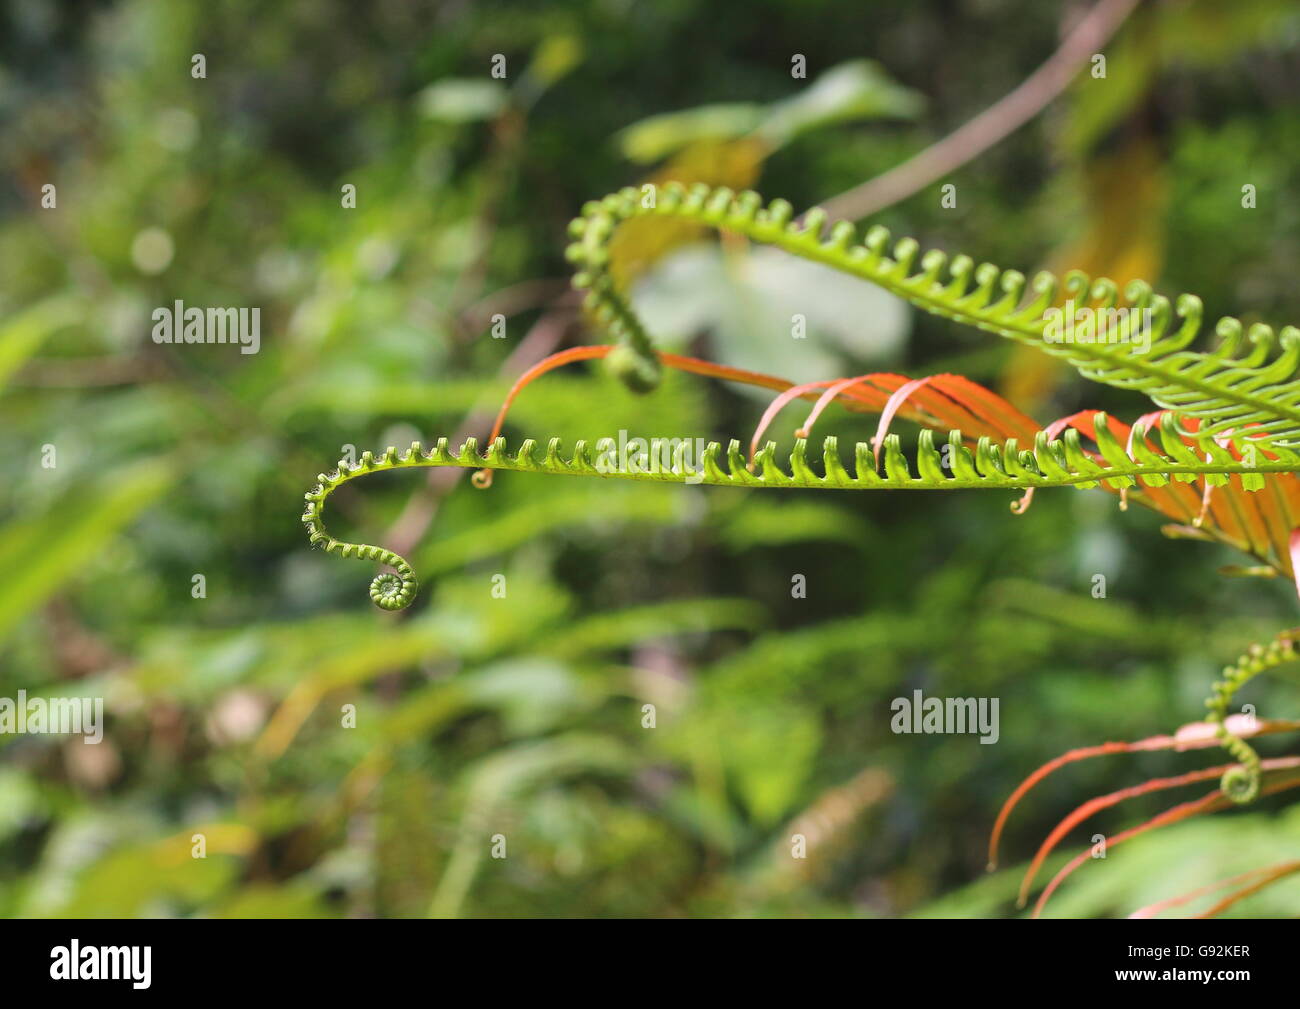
[522, 716]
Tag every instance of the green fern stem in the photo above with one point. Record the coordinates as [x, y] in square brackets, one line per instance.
[1051, 463]
[1241, 783]
[1226, 392]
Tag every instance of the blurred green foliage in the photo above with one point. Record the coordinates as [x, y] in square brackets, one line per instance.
[477, 716]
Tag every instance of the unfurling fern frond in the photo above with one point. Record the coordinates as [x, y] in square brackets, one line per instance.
[1052, 462]
[1239, 783]
[1232, 422]
[1245, 394]
[1230, 419]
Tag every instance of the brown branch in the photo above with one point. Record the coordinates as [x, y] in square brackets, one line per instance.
[545, 335]
[999, 120]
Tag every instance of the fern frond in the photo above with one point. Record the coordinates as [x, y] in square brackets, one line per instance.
[1061, 462]
[1195, 736]
[1052, 462]
[1241, 782]
[1257, 524]
[1243, 395]
[1232, 422]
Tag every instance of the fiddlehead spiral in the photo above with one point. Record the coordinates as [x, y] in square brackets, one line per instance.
[1241, 385]
[389, 590]
[1241, 783]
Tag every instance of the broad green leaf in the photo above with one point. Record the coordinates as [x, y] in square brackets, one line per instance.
[40, 554]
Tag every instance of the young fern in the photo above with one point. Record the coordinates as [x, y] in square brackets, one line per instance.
[1225, 416]
[1230, 420]
[1241, 783]
[1248, 398]
[1051, 463]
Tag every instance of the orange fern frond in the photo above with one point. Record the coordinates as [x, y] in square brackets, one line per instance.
[1193, 736]
[1212, 803]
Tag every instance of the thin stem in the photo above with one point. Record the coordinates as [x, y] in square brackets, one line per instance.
[995, 123]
